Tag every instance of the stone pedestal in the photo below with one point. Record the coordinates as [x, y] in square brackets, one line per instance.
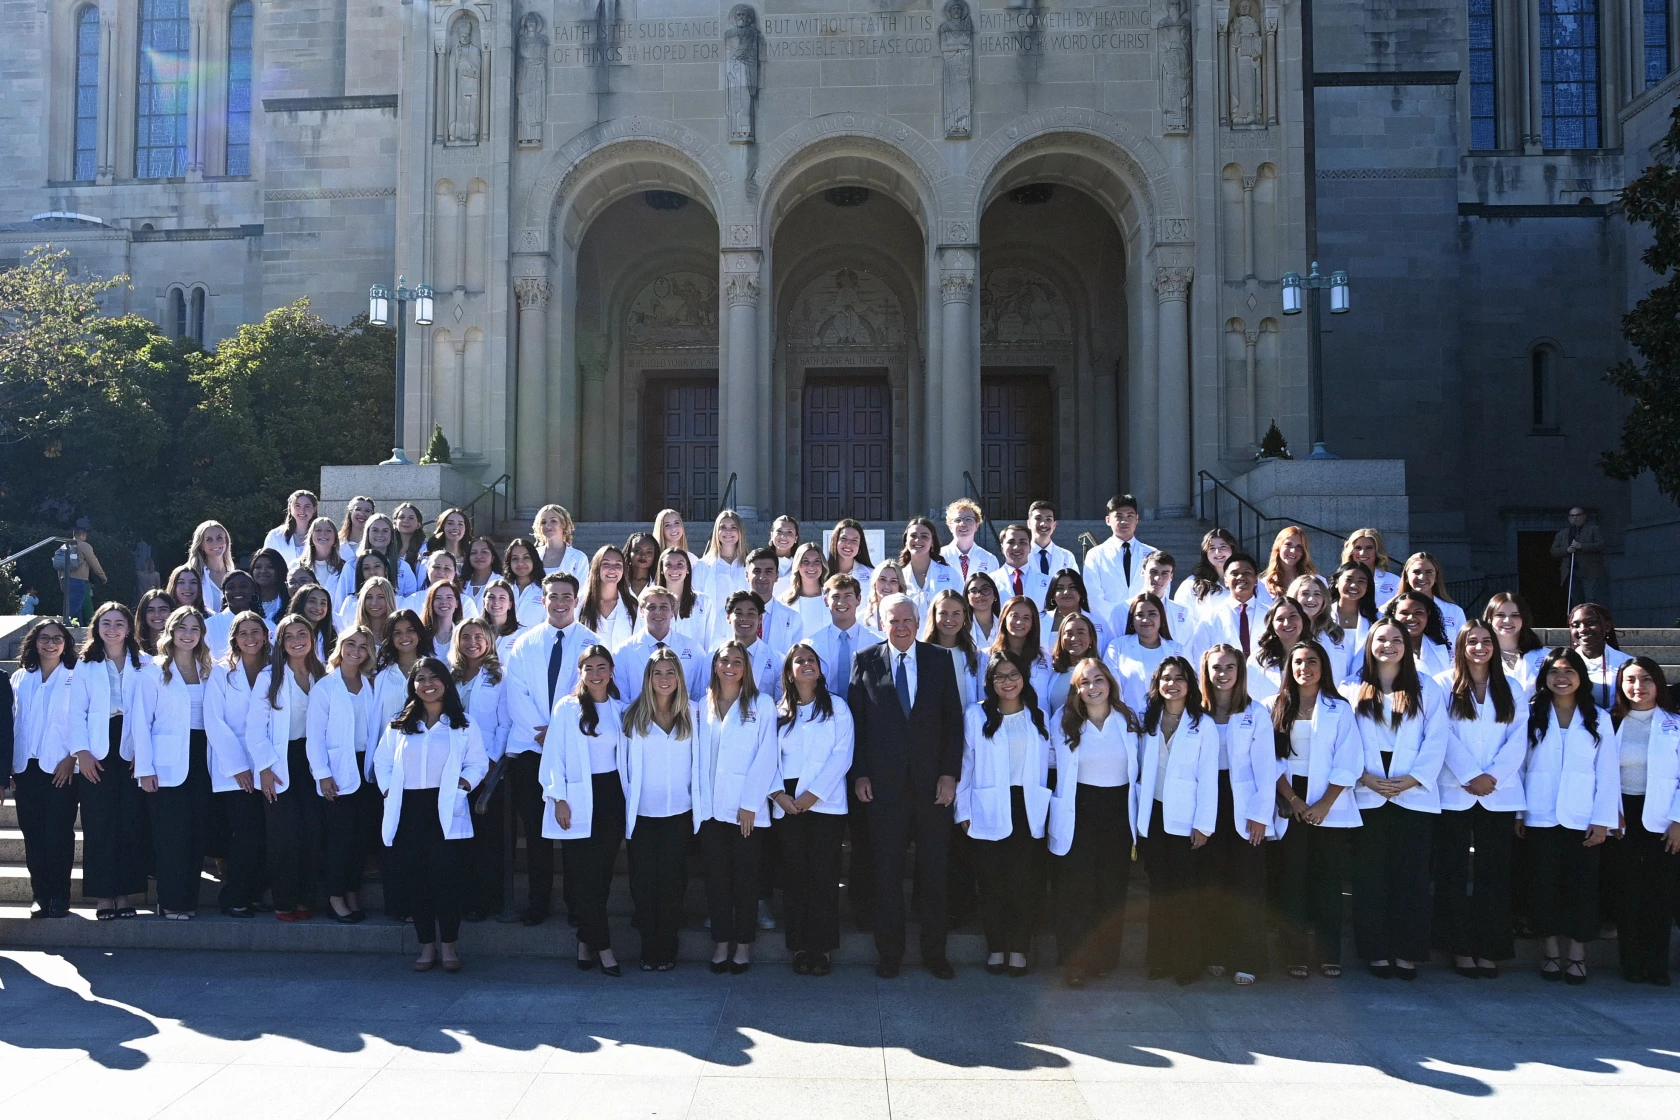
[433, 487]
[1337, 495]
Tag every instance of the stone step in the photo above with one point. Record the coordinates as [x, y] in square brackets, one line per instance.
[12, 848]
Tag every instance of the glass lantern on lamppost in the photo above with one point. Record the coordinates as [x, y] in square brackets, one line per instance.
[1295, 287]
[380, 299]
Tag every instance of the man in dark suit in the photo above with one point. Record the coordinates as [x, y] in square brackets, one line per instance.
[909, 726]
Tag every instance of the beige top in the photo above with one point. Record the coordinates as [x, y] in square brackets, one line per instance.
[89, 560]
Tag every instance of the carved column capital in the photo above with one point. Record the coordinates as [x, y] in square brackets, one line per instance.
[1173, 283]
[741, 289]
[532, 292]
[956, 287]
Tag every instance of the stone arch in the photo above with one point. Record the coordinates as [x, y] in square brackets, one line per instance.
[790, 168]
[603, 163]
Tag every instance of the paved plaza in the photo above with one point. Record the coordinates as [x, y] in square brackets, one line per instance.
[141, 1034]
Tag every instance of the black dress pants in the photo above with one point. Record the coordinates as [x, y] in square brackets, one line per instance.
[433, 869]
[1473, 883]
[732, 880]
[1232, 892]
[294, 834]
[1009, 884]
[1391, 905]
[524, 780]
[1173, 866]
[1093, 879]
[344, 835]
[1645, 888]
[116, 845]
[47, 816]
[1312, 862]
[895, 820]
[860, 864]
[810, 853]
[180, 817]
[242, 884]
[589, 863]
[658, 881]
[1563, 883]
[486, 849]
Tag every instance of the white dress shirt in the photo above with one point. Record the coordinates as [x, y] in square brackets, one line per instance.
[427, 750]
[979, 560]
[1052, 557]
[667, 773]
[1035, 585]
[630, 663]
[908, 660]
[829, 640]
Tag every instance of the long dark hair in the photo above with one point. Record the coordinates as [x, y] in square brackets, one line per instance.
[1075, 713]
[1367, 605]
[537, 571]
[387, 648]
[933, 550]
[511, 626]
[1463, 702]
[278, 562]
[590, 612]
[589, 717]
[1205, 579]
[1408, 688]
[1527, 640]
[1078, 585]
[278, 661]
[1540, 706]
[466, 572]
[965, 637]
[1435, 630]
[147, 639]
[1060, 659]
[1157, 704]
[788, 710]
[408, 720]
[991, 705]
[749, 687]
[30, 653]
[1160, 608]
[1620, 707]
[685, 601]
[359, 574]
[1032, 648]
[1269, 651]
[93, 648]
[862, 557]
[1286, 706]
[326, 630]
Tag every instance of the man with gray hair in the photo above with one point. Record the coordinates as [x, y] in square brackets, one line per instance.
[908, 719]
[1579, 548]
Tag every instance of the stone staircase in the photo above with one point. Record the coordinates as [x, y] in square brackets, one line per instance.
[1660, 644]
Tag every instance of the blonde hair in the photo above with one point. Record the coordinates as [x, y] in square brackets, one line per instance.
[1239, 691]
[195, 550]
[377, 583]
[1438, 591]
[307, 559]
[491, 663]
[1376, 539]
[335, 659]
[567, 525]
[749, 687]
[872, 607]
[656, 591]
[711, 552]
[638, 717]
[166, 643]
[1269, 578]
[659, 530]
[968, 504]
[349, 515]
[1324, 622]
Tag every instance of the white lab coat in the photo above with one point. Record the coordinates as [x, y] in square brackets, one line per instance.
[1662, 774]
[274, 723]
[979, 560]
[487, 709]
[90, 709]
[1251, 754]
[1105, 576]
[1483, 746]
[162, 726]
[940, 577]
[525, 678]
[632, 769]
[983, 791]
[1335, 759]
[1134, 665]
[1571, 781]
[1420, 749]
[1065, 761]
[1190, 797]
[735, 762]
[820, 751]
[334, 738]
[465, 760]
[1035, 585]
[565, 771]
[228, 700]
[41, 711]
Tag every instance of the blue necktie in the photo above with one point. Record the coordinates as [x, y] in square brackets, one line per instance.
[842, 667]
[901, 681]
[556, 660]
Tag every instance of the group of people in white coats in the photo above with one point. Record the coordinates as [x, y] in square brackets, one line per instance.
[366, 694]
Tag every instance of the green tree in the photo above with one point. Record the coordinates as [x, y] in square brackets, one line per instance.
[1651, 433]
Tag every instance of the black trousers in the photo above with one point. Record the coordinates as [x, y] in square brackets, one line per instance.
[1563, 883]
[47, 816]
[180, 818]
[658, 882]
[246, 842]
[1010, 886]
[1645, 890]
[433, 869]
[344, 833]
[485, 851]
[524, 782]
[1232, 891]
[810, 853]
[732, 880]
[1391, 905]
[860, 865]
[1312, 862]
[116, 845]
[589, 863]
[1093, 879]
[1473, 883]
[894, 821]
[294, 834]
[1174, 868]
[962, 879]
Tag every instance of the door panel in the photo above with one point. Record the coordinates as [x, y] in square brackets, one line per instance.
[680, 445]
[1015, 443]
[847, 447]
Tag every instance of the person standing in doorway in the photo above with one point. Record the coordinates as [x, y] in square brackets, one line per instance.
[1579, 548]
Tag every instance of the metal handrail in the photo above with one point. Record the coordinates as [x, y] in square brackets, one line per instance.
[1473, 594]
[730, 494]
[496, 491]
[42, 543]
[986, 525]
[1246, 511]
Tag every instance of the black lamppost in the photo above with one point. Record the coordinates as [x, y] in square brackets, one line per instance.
[1313, 283]
[379, 313]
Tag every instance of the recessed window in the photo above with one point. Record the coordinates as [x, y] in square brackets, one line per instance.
[160, 141]
[87, 94]
[177, 314]
[239, 89]
[1656, 41]
[1483, 133]
[195, 316]
[1542, 378]
[1569, 77]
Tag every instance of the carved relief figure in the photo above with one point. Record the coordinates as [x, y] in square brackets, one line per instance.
[466, 69]
[680, 309]
[533, 80]
[1173, 34]
[1247, 65]
[1019, 306]
[956, 52]
[740, 71]
[847, 307]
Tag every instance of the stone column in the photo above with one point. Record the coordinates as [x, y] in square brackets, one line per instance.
[1249, 182]
[197, 53]
[738, 423]
[1533, 140]
[531, 412]
[1251, 347]
[105, 128]
[958, 421]
[1172, 289]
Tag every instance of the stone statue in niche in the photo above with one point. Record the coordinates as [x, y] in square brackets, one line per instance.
[740, 72]
[533, 80]
[1247, 66]
[956, 53]
[1173, 34]
[466, 72]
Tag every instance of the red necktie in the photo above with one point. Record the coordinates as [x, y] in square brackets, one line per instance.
[964, 557]
[761, 627]
[1017, 578]
[1242, 626]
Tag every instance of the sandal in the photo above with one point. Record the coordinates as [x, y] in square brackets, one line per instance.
[1573, 978]
[1554, 973]
[126, 912]
[1298, 971]
[175, 915]
[1330, 971]
[1243, 979]
[106, 915]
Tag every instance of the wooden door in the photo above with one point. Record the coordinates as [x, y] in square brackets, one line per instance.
[680, 445]
[1015, 452]
[847, 446]
[1537, 578]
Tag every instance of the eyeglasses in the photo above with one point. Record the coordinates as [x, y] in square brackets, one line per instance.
[53, 639]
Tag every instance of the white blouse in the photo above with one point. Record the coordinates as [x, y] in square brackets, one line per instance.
[427, 751]
[1636, 738]
[667, 774]
[1107, 754]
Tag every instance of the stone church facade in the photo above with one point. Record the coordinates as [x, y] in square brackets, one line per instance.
[848, 252]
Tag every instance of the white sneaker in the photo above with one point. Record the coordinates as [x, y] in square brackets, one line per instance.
[766, 919]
